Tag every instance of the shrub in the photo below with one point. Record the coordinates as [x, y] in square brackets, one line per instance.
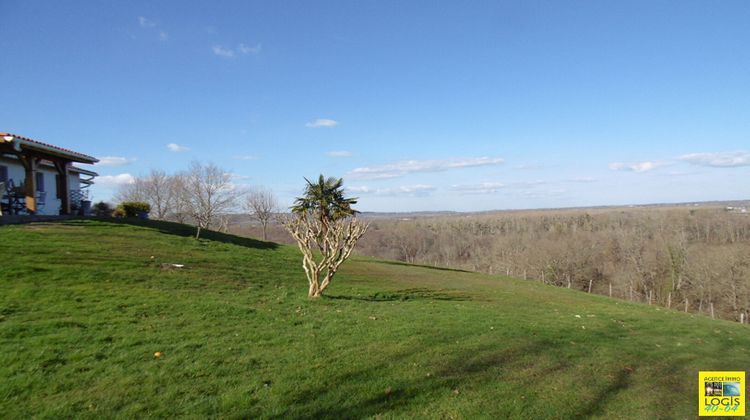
[102, 209]
[135, 208]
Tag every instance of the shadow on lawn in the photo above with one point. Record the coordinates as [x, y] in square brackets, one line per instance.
[531, 365]
[480, 363]
[179, 229]
[431, 267]
[407, 294]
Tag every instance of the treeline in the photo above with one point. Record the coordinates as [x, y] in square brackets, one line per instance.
[696, 260]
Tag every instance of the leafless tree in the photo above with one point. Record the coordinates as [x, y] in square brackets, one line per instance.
[206, 192]
[262, 204]
[133, 191]
[154, 188]
[157, 187]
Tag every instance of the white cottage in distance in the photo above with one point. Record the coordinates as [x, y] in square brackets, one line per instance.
[41, 179]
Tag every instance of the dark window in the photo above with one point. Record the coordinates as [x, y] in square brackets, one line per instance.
[3, 174]
[40, 181]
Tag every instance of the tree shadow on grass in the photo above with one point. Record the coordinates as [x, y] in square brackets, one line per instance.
[405, 295]
[179, 229]
[431, 267]
[532, 365]
[480, 363]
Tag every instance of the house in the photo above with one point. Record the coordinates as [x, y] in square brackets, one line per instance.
[41, 179]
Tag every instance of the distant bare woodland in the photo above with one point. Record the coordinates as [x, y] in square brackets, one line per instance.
[687, 258]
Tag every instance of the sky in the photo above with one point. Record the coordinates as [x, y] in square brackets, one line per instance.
[419, 105]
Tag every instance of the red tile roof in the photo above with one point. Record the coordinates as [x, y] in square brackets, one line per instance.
[79, 157]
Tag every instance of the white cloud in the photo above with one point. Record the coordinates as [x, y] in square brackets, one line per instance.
[636, 166]
[114, 161]
[174, 147]
[237, 177]
[114, 180]
[339, 153]
[226, 52]
[718, 159]
[410, 190]
[163, 36]
[223, 52]
[245, 49]
[582, 179]
[483, 188]
[322, 122]
[404, 167]
[146, 23]
[245, 157]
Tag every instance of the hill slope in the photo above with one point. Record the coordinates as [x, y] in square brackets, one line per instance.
[84, 307]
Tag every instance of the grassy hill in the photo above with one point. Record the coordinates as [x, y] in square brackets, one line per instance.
[84, 305]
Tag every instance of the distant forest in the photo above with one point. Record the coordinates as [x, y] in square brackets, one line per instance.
[695, 259]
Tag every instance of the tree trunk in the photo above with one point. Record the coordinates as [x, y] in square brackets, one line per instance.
[265, 238]
[314, 290]
[686, 304]
[591, 281]
[197, 231]
[712, 311]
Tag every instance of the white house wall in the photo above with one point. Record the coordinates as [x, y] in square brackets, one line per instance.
[52, 203]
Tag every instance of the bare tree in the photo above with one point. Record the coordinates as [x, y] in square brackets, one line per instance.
[133, 191]
[157, 187]
[154, 189]
[180, 210]
[262, 204]
[206, 192]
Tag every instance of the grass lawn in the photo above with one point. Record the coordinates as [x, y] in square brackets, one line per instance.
[84, 305]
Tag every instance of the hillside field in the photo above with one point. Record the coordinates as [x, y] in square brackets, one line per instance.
[85, 304]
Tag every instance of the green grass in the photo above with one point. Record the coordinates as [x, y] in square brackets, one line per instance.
[84, 307]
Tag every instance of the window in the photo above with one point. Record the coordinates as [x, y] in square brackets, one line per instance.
[40, 181]
[3, 173]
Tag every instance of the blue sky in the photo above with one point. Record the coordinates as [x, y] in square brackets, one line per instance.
[418, 105]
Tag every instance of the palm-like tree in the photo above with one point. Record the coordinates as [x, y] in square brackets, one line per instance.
[325, 199]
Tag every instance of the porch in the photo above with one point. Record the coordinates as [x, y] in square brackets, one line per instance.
[34, 162]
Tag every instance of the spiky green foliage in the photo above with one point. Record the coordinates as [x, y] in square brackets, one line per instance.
[326, 199]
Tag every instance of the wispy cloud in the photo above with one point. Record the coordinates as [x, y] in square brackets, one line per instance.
[174, 147]
[401, 168]
[494, 187]
[482, 188]
[145, 22]
[246, 49]
[115, 180]
[322, 122]
[245, 157]
[718, 159]
[151, 25]
[222, 51]
[339, 153]
[408, 190]
[114, 161]
[582, 179]
[242, 49]
[636, 166]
